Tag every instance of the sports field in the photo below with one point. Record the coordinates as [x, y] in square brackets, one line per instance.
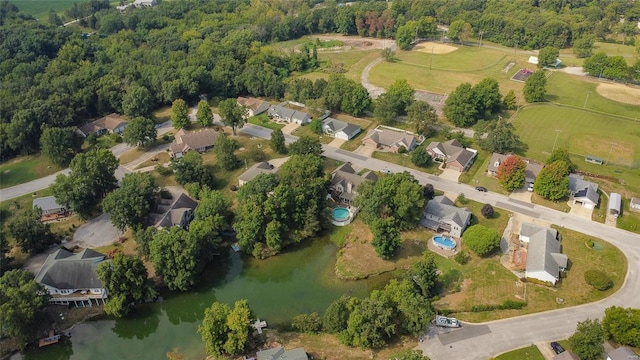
[40, 8]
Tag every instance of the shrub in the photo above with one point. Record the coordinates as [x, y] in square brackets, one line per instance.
[590, 244]
[462, 199]
[461, 258]
[598, 279]
[307, 323]
[257, 155]
[92, 139]
[420, 157]
[165, 194]
[316, 126]
[487, 211]
[402, 150]
[481, 240]
[233, 188]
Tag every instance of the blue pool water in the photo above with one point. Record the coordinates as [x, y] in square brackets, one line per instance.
[340, 214]
[444, 242]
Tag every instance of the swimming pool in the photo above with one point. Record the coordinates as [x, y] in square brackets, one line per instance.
[443, 242]
[341, 214]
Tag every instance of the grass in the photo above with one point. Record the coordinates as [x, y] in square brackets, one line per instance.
[405, 160]
[161, 115]
[40, 8]
[160, 158]
[498, 221]
[560, 205]
[599, 214]
[306, 131]
[528, 353]
[629, 220]
[25, 168]
[477, 174]
[264, 121]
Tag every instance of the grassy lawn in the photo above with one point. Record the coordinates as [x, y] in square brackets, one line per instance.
[557, 205]
[405, 160]
[264, 121]
[599, 214]
[583, 133]
[161, 115]
[629, 220]
[161, 158]
[306, 131]
[498, 221]
[477, 174]
[40, 8]
[528, 353]
[25, 168]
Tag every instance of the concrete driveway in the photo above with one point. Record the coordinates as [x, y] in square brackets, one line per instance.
[579, 210]
[96, 233]
[336, 143]
[366, 151]
[450, 174]
[289, 128]
[522, 194]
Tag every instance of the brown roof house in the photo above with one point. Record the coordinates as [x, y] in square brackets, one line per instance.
[390, 140]
[254, 106]
[532, 171]
[255, 170]
[345, 181]
[113, 123]
[71, 278]
[452, 154]
[200, 141]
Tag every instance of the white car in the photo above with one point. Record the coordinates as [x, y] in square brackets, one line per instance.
[386, 171]
[530, 188]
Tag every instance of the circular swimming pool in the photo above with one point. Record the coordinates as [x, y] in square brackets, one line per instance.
[444, 242]
[341, 214]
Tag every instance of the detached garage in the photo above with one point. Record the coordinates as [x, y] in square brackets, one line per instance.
[615, 200]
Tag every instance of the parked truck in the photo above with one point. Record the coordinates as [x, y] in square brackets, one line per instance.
[447, 321]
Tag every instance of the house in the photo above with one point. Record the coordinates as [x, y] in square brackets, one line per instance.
[583, 192]
[340, 129]
[185, 141]
[634, 204]
[71, 278]
[176, 213]
[390, 140]
[531, 173]
[544, 259]
[113, 123]
[344, 183]
[255, 170]
[622, 353]
[566, 355]
[50, 208]
[282, 113]
[254, 106]
[145, 3]
[452, 154]
[279, 353]
[615, 200]
[441, 214]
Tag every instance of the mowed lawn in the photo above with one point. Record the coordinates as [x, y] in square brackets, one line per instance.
[24, 169]
[528, 353]
[40, 8]
[583, 133]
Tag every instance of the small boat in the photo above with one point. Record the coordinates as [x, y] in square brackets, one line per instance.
[51, 339]
[447, 321]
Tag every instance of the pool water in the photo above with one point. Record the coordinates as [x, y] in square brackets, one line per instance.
[444, 242]
[340, 214]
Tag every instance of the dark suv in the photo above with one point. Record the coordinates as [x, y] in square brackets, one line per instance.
[481, 188]
[557, 347]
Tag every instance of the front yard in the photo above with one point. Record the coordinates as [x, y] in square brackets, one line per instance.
[264, 121]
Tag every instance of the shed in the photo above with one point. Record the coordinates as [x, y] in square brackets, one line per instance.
[614, 204]
[593, 159]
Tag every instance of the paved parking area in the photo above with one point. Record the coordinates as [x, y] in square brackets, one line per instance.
[96, 233]
[579, 210]
[364, 150]
[450, 174]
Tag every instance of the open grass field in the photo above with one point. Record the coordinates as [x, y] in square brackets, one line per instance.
[528, 353]
[40, 8]
[24, 169]
[583, 133]
[264, 121]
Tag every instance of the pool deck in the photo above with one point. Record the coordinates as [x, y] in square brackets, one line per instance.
[440, 251]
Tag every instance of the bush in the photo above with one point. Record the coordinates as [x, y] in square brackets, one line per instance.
[428, 191]
[420, 157]
[598, 279]
[92, 139]
[461, 258]
[402, 150]
[307, 323]
[481, 240]
[316, 126]
[233, 188]
[165, 194]
[257, 155]
[506, 305]
[462, 199]
[487, 211]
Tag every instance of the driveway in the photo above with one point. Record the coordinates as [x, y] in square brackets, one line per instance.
[366, 151]
[450, 174]
[96, 233]
[579, 210]
[289, 128]
[336, 143]
[522, 194]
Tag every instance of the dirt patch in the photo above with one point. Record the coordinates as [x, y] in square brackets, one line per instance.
[363, 43]
[620, 93]
[435, 48]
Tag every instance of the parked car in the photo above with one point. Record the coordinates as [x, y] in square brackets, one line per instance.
[557, 347]
[481, 188]
[386, 171]
[530, 188]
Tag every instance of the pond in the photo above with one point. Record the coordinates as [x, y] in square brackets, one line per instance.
[298, 281]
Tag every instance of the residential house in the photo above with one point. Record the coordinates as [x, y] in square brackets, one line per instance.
[185, 141]
[340, 129]
[145, 3]
[566, 355]
[282, 113]
[391, 140]
[345, 181]
[452, 154]
[615, 201]
[113, 123]
[179, 212]
[441, 215]
[254, 106]
[622, 353]
[50, 208]
[583, 192]
[71, 278]
[544, 259]
[634, 204]
[255, 170]
[532, 171]
[279, 353]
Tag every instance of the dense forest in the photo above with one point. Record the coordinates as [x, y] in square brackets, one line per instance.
[131, 63]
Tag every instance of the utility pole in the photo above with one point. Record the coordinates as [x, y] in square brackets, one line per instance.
[431, 62]
[608, 155]
[556, 140]
[585, 100]
[481, 33]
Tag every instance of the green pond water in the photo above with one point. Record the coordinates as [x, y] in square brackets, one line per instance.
[298, 281]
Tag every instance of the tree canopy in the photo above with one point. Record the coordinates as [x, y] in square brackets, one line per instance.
[30, 233]
[500, 136]
[588, 340]
[225, 152]
[190, 169]
[204, 115]
[553, 181]
[20, 299]
[467, 104]
[535, 87]
[179, 114]
[140, 131]
[277, 143]
[60, 145]
[225, 330]
[512, 172]
[481, 240]
[125, 278]
[130, 204]
[622, 325]
[232, 114]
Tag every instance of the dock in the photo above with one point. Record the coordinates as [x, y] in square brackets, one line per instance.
[51, 339]
[259, 325]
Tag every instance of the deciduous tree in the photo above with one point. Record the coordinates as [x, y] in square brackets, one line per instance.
[386, 237]
[277, 143]
[414, 310]
[179, 114]
[481, 240]
[547, 56]
[232, 114]
[225, 152]
[622, 325]
[214, 328]
[176, 255]
[239, 325]
[337, 315]
[553, 181]
[500, 137]
[420, 156]
[140, 131]
[460, 106]
[137, 101]
[588, 340]
[371, 323]
[306, 145]
[487, 211]
[509, 101]
[143, 238]
[512, 172]
[60, 145]
[126, 278]
[535, 87]
[190, 169]
[130, 204]
[563, 155]
[422, 117]
[205, 115]
[424, 273]
[30, 233]
[20, 300]
[459, 30]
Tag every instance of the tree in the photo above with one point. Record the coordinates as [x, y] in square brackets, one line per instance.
[535, 87]
[53, 18]
[205, 115]
[386, 237]
[190, 169]
[424, 273]
[547, 56]
[388, 54]
[414, 310]
[501, 137]
[277, 143]
[487, 97]
[239, 324]
[337, 315]
[60, 145]
[126, 279]
[588, 340]
[371, 323]
[622, 325]
[583, 46]
[143, 238]
[563, 155]
[459, 30]
[596, 64]
[405, 36]
[487, 211]
[137, 101]
[420, 156]
[460, 106]
[481, 240]
[409, 355]
[598, 279]
[509, 101]
[401, 95]
[225, 152]
[215, 208]
[307, 323]
[316, 126]
[140, 131]
[306, 145]
[20, 300]
[553, 182]
[130, 204]
[175, 255]
[30, 233]
[179, 114]
[422, 117]
[385, 109]
[512, 172]
[232, 114]
[214, 328]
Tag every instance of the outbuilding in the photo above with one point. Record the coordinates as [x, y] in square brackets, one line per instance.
[614, 204]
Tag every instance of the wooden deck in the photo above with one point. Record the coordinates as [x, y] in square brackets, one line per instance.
[51, 339]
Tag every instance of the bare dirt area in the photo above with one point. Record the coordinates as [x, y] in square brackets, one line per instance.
[620, 93]
[435, 48]
[358, 42]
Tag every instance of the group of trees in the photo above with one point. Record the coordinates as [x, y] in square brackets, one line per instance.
[21, 298]
[337, 94]
[612, 67]
[467, 104]
[130, 204]
[497, 136]
[226, 331]
[553, 181]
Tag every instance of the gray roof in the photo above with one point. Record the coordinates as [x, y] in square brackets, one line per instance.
[582, 189]
[174, 215]
[46, 203]
[66, 270]
[566, 355]
[634, 201]
[442, 207]
[543, 253]
[388, 137]
[338, 125]
[351, 129]
[286, 113]
[533, 168]
[345, 174]
[622, 353]
[453, 150]
[257, 169]
[614, 202]
[279, 353]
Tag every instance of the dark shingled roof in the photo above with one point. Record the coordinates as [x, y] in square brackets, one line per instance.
[66, 270]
